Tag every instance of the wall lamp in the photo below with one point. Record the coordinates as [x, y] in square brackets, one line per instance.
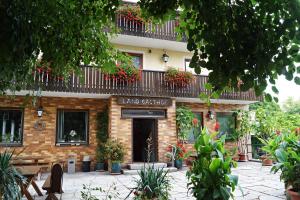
[165, 57]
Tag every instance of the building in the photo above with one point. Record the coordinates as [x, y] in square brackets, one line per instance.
[68, 124]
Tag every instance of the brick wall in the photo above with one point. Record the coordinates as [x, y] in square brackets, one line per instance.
[121, 129]
[42, 143]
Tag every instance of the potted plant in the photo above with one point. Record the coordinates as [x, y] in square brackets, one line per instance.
[178, 78]
[178, 154]
[210, 176]
[124, 72]
[10, 178]
[102, 135]
[285, 149]
[243, 130]
[114, 154]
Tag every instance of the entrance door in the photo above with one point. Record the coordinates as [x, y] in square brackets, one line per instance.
[142, 130]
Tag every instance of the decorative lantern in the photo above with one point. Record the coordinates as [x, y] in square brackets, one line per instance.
[165, 57]
[40, 111]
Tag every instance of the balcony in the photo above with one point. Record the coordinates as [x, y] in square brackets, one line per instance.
[152, 84]
[133, 27]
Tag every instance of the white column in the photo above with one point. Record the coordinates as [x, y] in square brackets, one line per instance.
[3, 131]
[12, 131]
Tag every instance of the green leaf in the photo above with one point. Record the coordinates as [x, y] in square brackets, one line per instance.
[297, 80]
[281, 155]
[275, 90]
[215, 164]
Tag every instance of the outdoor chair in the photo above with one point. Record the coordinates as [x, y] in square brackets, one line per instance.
[53, 183]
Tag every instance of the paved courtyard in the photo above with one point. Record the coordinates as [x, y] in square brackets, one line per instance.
[256, 182]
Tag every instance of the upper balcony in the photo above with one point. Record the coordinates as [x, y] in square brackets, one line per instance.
[151, 84]
[137, 33]
[135, 27]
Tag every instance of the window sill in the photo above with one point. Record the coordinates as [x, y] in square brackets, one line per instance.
[11, 145]
[70, 144]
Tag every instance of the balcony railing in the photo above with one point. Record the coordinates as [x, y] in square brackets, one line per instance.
[135, 27]
[152, 83]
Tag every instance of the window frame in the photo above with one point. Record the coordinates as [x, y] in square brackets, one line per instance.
[22, 128]
[137, 54]
[185, 67]
[87, 142]
[228, 136]
[202, 124]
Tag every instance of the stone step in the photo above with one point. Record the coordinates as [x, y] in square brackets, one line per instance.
[139, 166]
[135, 172]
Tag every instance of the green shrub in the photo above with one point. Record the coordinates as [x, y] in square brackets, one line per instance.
[114, 151]
[152, 184]
[210, 175]
[10, 177]
[285, 149]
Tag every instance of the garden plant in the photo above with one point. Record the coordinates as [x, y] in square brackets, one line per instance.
[210, 175]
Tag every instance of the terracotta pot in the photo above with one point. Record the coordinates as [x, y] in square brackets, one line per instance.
[293, 195]
[267, 162]
[243, 157]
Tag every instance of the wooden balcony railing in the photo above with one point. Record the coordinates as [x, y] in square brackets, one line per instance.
[137, 28]
[152, 84]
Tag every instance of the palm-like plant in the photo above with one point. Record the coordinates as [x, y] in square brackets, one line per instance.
[152, 184]
[10, 177]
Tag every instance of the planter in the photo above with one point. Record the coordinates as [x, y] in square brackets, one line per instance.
[99, 166]
[178, 164]
[266, 161]
[86, 166]
[243, 157]
[115, 168]
[293, 195]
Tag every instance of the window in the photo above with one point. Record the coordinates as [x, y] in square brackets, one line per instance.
[72, 126]
[137, 60]
[11, 126]
[227, 124]
[195, 130]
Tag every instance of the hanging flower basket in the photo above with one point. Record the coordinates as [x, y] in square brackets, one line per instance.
[124, 73]
[177, 78]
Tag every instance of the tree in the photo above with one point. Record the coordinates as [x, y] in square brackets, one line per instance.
[57, 34]
[291, 106]
[245, 43]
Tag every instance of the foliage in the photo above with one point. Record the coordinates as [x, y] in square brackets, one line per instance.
[10, 178]
[178, 152]
[124, 71]
[184, 121]
[285, 149]
[152, 184]
[178, 78]
[60, 34]
[291, 106]
[132, 13]
[114, 151]
[88, 193]
[270, 119]
[210, 176]
[243, 129]
[245, 44]
[102, 135]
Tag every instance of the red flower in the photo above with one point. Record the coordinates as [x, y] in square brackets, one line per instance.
[278, 132]
[217, 126]
[195, 121]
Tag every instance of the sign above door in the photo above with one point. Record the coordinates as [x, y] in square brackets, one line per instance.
[141, 113]
[144, 101]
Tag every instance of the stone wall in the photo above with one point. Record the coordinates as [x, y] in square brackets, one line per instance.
[121, 128]
[42, 143]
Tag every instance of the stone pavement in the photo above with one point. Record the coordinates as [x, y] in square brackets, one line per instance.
[256, 182]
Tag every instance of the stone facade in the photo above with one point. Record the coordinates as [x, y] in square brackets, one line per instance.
[42, 143]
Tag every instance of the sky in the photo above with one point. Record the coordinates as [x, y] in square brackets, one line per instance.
[286, 89]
